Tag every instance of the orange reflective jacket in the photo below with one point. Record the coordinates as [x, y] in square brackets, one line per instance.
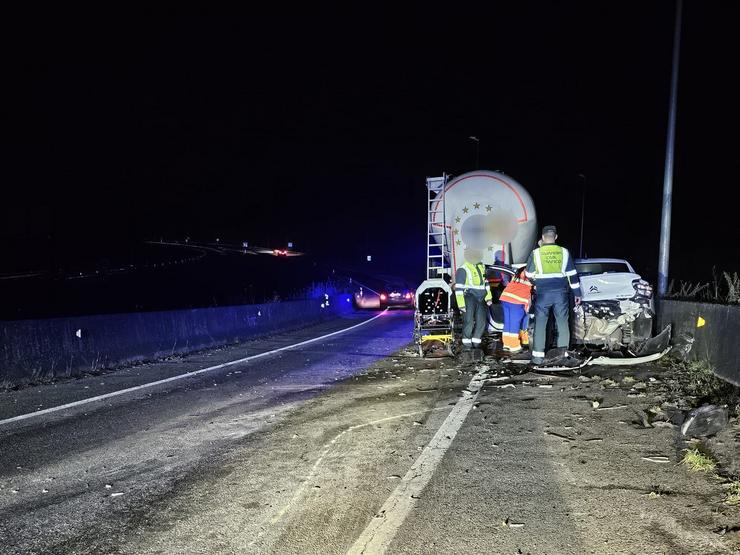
[519, 291]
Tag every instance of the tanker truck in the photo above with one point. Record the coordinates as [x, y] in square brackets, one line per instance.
[492, 213]
[483, 210]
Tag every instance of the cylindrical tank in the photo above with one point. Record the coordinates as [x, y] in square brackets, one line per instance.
[490, 213]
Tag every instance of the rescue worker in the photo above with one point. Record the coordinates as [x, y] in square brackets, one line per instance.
[515, 301]
[473, 297]
[551, 269]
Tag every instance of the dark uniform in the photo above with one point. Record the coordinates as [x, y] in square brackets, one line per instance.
[472, 294]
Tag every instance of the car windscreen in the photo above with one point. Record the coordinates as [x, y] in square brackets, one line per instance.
[592, 268]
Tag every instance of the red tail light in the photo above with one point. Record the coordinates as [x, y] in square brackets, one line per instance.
[383, 296]
[407, 295]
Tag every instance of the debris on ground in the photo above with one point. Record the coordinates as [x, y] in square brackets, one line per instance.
[705, 421]
[732, 495]
[511, 524]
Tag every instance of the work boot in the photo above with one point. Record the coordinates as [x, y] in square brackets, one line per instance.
[524, 338]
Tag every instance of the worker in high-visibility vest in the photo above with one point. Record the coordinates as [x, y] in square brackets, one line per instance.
[551, 269]
[515, 300]
[473, 297]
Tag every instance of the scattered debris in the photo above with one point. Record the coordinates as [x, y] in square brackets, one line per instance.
[394, 477]
[511, 524]
[643, 419]
[595, 403]
[732, 496]
[657, 459]
[613, 407]
[705, 421]
[561, 436]
[116, 494]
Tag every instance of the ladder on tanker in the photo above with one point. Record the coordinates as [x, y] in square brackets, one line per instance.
[436, 227]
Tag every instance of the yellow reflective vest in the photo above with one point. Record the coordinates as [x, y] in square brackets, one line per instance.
[470, 279]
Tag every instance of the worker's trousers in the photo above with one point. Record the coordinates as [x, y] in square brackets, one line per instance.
[515, 326]
[475, 321]
[557, 301]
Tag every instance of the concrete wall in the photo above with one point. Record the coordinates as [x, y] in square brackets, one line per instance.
[32, 350]
[717, 340]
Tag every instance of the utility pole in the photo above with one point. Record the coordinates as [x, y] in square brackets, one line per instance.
[477, 151]
[665, 223]
[583, 211]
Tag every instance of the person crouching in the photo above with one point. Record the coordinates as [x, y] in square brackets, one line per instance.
[515, 300]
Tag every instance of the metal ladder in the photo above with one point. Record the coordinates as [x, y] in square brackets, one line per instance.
[437, 235]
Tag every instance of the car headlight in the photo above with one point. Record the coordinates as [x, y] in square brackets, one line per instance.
[643, 288]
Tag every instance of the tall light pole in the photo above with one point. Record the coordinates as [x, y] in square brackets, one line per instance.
[583, 211]
[477, 151]
[665, 222]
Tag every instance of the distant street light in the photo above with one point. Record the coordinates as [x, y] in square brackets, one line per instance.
[583, 211]
[477, 151]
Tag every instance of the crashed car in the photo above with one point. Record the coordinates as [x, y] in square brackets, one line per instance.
[616, 313]
[617, 307]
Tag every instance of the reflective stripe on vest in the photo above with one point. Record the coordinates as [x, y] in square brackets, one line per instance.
[550, 262]
[472, 277]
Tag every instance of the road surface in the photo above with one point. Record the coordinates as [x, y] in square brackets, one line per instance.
[348, 444]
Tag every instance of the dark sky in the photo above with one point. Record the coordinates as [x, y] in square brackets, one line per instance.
[320, 126]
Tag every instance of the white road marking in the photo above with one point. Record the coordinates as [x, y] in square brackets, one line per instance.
[180, 376]
[379, 534]
[324, 452]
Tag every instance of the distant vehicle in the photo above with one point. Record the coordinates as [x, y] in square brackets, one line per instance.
[280, 252]
[396, 295]
[617, 307]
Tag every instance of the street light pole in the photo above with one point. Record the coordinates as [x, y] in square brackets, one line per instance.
[583, 212]
[477, 151]
[665, 223]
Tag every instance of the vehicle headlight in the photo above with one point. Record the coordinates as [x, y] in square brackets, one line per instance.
[643, 288]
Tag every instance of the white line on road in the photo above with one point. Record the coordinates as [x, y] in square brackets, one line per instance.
[181, 376]
[379, 534]
[324, 452]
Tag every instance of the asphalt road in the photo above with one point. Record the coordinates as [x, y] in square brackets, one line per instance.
[347, 444]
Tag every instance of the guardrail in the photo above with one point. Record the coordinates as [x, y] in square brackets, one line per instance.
[36, 350]
[713, 329]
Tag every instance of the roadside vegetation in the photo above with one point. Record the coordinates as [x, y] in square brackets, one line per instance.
[723, 289]
[694, 383]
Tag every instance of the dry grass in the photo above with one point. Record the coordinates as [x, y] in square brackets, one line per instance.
[723, 289]
[732, 495]
[696, 382]
[698, 459]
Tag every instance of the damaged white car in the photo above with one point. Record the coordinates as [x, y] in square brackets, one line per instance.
[617, 310]
[616, 315]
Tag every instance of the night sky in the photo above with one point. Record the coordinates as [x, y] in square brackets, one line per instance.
[319, 126]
